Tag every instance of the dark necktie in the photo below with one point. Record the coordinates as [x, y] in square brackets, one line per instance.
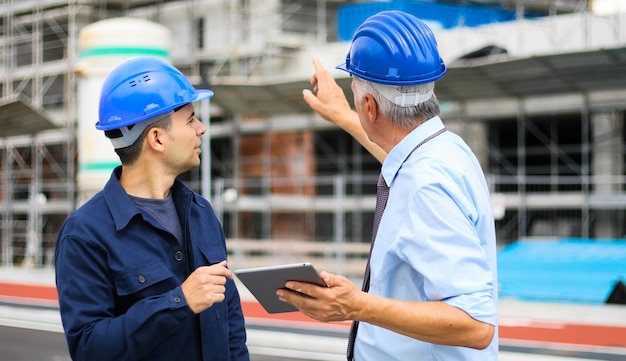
[382, 193]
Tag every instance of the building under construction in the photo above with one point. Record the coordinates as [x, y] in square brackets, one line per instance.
[537, 88]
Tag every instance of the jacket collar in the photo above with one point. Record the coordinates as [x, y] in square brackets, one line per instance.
[123, 209]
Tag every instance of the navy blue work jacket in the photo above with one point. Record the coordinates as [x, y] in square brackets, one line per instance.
[119, 272]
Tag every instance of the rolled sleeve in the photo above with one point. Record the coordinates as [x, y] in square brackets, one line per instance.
[479, 305]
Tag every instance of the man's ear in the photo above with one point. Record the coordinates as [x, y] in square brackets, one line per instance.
[154, 138]
[370, 107]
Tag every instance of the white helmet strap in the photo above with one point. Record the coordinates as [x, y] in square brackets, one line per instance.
[402, 99]
[130, 136]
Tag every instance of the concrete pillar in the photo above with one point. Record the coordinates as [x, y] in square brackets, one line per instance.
[607, 166]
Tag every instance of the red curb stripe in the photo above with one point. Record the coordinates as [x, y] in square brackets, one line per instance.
[592, 335]
[48, 293]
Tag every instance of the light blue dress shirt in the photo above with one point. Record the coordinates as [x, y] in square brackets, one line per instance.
[436, 242]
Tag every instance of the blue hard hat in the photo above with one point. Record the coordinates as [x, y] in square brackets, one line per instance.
[143, 88]
[394, 48]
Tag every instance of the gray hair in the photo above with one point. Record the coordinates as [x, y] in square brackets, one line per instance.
[423, 108]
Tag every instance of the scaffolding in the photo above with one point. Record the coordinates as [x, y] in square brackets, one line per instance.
[288, 178]
[37, 137]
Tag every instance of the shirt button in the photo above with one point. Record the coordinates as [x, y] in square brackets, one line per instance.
[179, 256]
[177, 299]
[141, 279]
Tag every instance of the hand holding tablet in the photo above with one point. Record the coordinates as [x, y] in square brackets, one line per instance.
[263, 282]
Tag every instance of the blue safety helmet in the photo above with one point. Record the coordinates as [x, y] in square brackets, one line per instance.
[141, 89]
[394, 48]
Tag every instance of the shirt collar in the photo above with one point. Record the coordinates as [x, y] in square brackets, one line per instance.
[401, 151]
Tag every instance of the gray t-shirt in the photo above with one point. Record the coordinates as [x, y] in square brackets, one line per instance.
[164, 211]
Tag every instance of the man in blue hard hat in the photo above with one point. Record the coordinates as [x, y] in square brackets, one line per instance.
[430, 285]
[141, 267]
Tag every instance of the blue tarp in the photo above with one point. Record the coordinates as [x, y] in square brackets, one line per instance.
[565, 270]
[436, 15]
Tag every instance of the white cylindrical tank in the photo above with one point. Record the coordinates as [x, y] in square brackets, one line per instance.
[104, 45]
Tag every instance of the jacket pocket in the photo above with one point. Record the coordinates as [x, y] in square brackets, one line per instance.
[213, 254]
[138, 279]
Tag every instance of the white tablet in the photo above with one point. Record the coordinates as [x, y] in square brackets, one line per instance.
[263, 282]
